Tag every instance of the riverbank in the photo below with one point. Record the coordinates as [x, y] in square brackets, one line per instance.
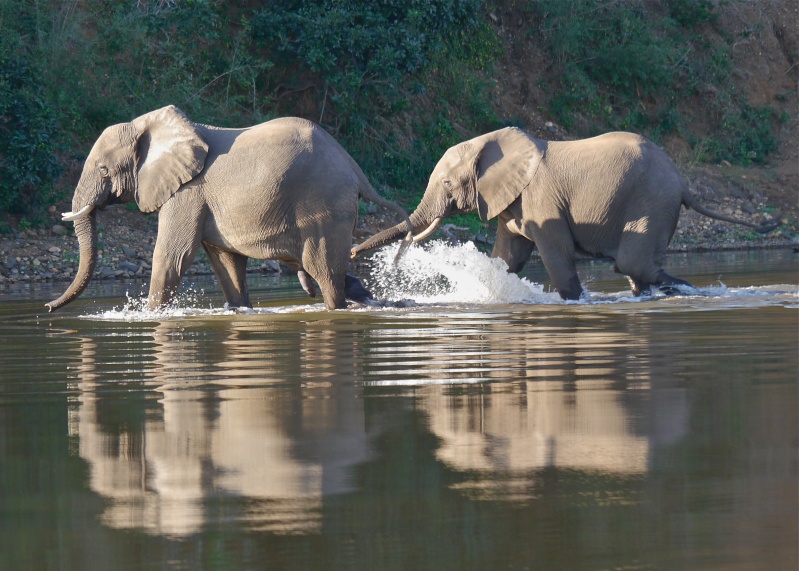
[126, 237]
[127, 240]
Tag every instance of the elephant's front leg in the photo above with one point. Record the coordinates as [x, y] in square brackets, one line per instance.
[231, 271]
[180, 223]
[556, 246]
[511, 246]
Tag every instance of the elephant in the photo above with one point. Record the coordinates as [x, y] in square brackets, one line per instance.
[283, 190]
[614, 196]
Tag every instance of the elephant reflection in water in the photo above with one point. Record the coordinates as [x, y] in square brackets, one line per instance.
[273, 431]
[597, 401]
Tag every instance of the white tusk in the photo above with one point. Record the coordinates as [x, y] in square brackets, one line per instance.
[427, 231]
[72, 216]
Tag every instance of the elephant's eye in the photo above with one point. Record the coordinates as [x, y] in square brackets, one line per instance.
[103, 170]
[447, 183]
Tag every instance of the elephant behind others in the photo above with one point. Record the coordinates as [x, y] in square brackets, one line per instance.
[282, 190]
[614, 196]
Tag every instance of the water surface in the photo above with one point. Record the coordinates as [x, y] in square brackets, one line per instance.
[458, 432]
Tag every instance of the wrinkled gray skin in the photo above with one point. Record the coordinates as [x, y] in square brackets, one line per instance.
[283, 190]
[614, 196]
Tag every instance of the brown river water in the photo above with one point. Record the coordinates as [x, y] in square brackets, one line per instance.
[484, 425]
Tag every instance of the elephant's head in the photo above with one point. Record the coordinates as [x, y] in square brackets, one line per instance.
[486, 174]
[146, 160]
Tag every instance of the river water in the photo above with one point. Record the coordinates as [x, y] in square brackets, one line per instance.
[484, 424]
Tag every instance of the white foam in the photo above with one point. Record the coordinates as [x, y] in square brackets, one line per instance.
[188, 303]
[438, 272]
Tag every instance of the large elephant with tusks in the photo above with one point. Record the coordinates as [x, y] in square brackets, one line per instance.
[282, 190]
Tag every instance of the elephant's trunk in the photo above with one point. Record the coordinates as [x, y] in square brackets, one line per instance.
[86, 231]
[419, 222]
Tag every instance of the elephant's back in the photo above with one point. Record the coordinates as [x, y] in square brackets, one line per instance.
[287, 147]
[601, 150]
[589, 172]
[300, 144]
[290, 162]
[613, 179]
[612, 161]
[278, 142]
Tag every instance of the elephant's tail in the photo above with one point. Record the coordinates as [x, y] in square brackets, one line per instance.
[690, 201]
[368, 193]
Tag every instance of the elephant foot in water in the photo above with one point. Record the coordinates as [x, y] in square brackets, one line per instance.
[668, 286]
[355, 291]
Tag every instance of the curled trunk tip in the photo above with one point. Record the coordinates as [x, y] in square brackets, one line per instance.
[86, 231]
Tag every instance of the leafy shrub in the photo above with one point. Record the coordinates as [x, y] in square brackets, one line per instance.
[396, 82]
[28, 130]
[627, 65]
[692, 12]
[610, 56]
[368, 64]
[362, 55]
[381, 41]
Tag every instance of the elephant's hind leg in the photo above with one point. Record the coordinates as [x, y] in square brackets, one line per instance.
[231, 271]
[643, 266]
[355, 291]
[306, 282]
[667, 282]
[332, 287]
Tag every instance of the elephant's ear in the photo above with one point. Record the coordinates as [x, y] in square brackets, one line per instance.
[170, 152]
[506, 162]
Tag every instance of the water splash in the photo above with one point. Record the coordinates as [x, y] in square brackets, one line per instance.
[438, 272]
[186, 303]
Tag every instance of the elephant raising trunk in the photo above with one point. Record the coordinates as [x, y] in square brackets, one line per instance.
[86, 231]
[422, 225]
[615, 196]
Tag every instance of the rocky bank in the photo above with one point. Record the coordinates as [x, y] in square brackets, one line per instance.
[126, 237]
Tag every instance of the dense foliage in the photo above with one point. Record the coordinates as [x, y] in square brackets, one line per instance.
[631, 66]
[27, 134]
[396, 81]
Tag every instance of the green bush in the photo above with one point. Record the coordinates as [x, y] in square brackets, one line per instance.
[629, 65]
[358, 44]
[28, 130]
[610, 57]
[387, 78]
[692, 12]
[376, 70]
